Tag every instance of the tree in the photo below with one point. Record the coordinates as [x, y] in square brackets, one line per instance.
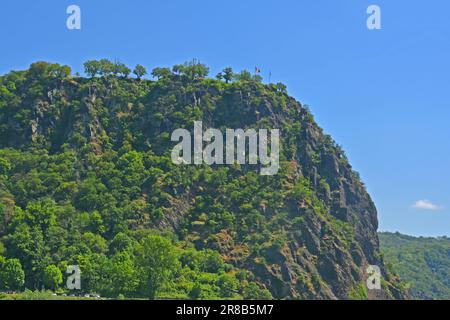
[106, 67]
[281, 88]
[158, 262]
[243, 76]
[92, 68]
[122, 274]
[228, 285]
[12, 276]
[120, 243]
[42, 213]
[253, 292]
[139, 71]
[192, 70]
[38, 70]
[228, 74]
[160, 73]
[210, 261]
[52, 277]
[5, 166]
[59, 71]
[43, 70]
[121, 69]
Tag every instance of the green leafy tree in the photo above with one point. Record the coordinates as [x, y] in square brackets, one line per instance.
[120, 69]
[243, 76]
[161, 73]
[281, 88]
[5, 166]
[59, 71]
[228, 285]
[211, 261]
[158, 262]
[192, 70]
[44, 70]
[254, 292]
[228, 74]
[12, 276]
[122, 274]
[92, 68]
[42, 213]
[139, 71]
[106, 67]
[52, 277]
[121, 243]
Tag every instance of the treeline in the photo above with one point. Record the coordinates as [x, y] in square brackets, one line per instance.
[104, 67]
[190, 70]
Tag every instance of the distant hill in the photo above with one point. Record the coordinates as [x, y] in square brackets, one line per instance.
[422, 262]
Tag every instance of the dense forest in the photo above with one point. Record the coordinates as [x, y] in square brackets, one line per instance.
[423, 263]
[86, 179]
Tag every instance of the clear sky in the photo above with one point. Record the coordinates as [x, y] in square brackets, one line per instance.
[382, 94]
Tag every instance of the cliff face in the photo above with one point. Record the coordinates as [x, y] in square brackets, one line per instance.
[308, 232]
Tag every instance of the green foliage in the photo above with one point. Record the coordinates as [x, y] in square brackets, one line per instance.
[191, 70]
[48, 70]
[92, 68]
[423, 263]
[5, 166]
[227, 74]
[139, 71]
[246, 76]
[161, 73]
[358, 293]
[157, 259]
[243, 76]
[86, 179]
[52, 277]
[123, 276]
[254, 292]
[120, 69]
[12, 276]
[281, 87]
[104, 67]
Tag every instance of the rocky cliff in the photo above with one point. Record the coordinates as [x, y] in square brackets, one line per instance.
[308, 232]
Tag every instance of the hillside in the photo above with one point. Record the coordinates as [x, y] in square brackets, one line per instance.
[86, 179]
[424, 263]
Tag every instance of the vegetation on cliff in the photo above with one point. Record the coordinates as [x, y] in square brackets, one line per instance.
[86, 179]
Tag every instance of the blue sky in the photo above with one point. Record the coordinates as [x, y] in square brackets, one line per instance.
[382, 94]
